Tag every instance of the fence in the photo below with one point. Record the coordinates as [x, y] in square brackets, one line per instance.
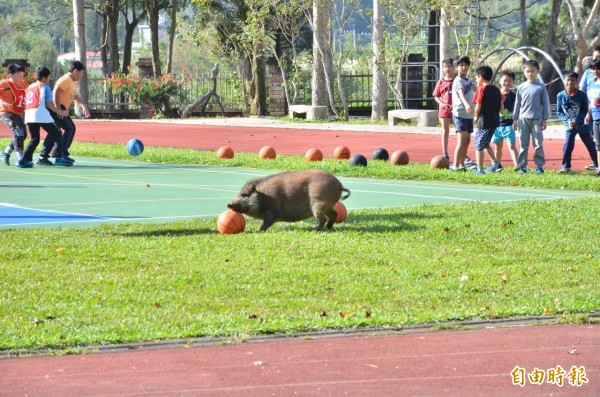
[358, 88]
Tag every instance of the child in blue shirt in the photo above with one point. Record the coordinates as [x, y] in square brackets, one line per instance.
[593, 93]
[37, 105]
[571, 108]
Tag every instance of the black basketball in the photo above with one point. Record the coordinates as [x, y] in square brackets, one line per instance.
[380, 154]
[358, 160]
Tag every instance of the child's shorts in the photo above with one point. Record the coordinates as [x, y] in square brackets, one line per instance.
[483, 139]
[462, 125]
[14, 123]
[502, 133]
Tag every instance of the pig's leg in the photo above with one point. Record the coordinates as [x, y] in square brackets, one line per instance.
[319, 215]
[332, 215]
[268, 221]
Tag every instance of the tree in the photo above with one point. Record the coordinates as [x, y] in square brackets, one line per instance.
[131, 9]
[290, 23]
[80, 47]
[379, 106]
[319, 22]
[581, 29]
[152, 8]
[172, 29]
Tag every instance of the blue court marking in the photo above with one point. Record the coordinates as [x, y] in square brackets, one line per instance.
[12, 215]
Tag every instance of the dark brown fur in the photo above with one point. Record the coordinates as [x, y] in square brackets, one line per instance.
[291, 197]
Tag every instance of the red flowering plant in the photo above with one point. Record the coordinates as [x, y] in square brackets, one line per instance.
[162, 94]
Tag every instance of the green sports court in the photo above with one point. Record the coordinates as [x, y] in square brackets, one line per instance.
[97, 191]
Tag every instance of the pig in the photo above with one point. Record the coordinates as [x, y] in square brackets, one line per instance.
[291, 197]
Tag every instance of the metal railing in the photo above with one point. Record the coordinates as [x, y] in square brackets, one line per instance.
[358, 88]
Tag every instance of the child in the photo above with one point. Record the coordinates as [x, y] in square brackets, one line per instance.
[12, 106]
[588, 74]
[442, 93]
[571, 108]
[532, 109]
[488, 101]
[505, 129]
[39, 100]
[462, 111]
[593, 93]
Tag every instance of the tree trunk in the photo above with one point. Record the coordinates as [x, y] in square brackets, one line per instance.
[444, 37]
[523, 12]
[112, 20]
[379, 106]
[152, 9]
[130, 27]
[80, 48]
[172, 35]
[319, 82]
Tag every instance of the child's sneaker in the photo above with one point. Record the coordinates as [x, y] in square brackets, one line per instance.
[539, 170]
[480, 172]
[63, 162]
[24, 164]
[522, 170]
[43, 161]
[496, 167]
[592, 167]
[564, 169]
[5, 157]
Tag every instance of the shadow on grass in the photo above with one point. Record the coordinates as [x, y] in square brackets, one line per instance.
[386, 222]
[172, 232]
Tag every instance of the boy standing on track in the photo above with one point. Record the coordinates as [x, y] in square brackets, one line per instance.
[532, 109]
[488, 105]
[462, 111]
[505, 130]
[12, 106]
[37, 115]
[442, 93]
[572, 108]
[64, 94]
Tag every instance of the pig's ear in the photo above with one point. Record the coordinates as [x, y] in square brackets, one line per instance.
[252, 188]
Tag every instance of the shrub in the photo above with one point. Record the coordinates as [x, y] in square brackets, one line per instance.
[163, 94]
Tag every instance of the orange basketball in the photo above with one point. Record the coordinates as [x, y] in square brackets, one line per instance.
[439, 162]
[225, 152]
[341, 153]
[342, 214]
[267, 152]
[231, 222]
[314, 154]
[399, 157]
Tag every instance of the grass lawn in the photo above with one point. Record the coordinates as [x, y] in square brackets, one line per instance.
[382, 268]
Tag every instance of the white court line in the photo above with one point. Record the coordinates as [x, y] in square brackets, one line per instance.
[525, 191]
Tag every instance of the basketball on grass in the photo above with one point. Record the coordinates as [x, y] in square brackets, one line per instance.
[358, 160]
[225, 152]
[399, 157]
[342, 214]
[341, 153]
[135, 147]
[267, 152]
[440, 162]
[231, 222]
[314, 154]
[380, 154]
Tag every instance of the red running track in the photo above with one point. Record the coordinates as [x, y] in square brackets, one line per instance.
[444, 363]
[421, 147]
